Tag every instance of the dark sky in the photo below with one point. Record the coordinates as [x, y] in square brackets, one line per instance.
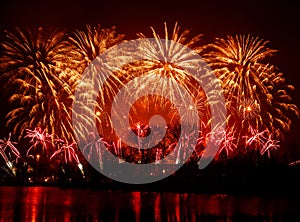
[276, 21]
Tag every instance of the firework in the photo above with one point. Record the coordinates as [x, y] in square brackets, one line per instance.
[92, 41]
[69, 153]
[43, 68]
[223, 138]
[6, 144]
[38, 136]
[227, 141]
[262, 140]
[168, 60]
[9, 164]
[269, 145]
[37, 65]
[164, 76]
[165, 72]
[94, 148]
[256, 95]
[88, 44]
[294, 163]
[171, 61]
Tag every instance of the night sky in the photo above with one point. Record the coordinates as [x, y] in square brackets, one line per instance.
[276, 21]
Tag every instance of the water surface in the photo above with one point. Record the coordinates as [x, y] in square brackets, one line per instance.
[61, 204]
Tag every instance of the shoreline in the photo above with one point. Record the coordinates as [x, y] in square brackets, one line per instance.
[168, 185]
[236, 179]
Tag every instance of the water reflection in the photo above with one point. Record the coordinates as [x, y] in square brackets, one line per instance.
[57, 204]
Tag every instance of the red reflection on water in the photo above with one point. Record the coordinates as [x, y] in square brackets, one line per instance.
[56, 204]
[34, 200]
[177, 207]
[157, 207]
[67, 202]
[136, 204]
[215, 205]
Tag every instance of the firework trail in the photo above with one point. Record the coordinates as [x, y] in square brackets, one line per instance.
[226, 142]
[181, 151]
[6, 144]
[37, 66]
[256, 94]
[269, 145]
[118, 150]
[8, 163]
[256, 137]
[223, 138]
[94, 148]
[70, 154]
[262, 140]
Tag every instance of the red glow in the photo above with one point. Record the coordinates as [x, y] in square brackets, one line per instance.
[136, 204]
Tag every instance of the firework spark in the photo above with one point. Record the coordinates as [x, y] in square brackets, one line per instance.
[261, 140]
[38, 136]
